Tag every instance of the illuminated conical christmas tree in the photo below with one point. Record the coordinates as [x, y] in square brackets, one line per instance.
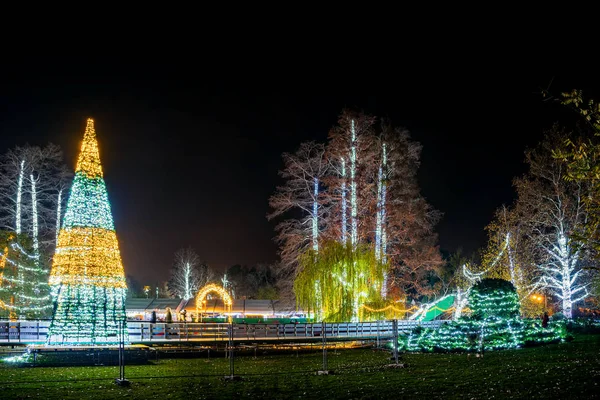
[87, 277]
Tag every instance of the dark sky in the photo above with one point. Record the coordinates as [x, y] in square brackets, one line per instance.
[191, 157]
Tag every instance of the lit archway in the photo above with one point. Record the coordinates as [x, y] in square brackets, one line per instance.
[212, 288]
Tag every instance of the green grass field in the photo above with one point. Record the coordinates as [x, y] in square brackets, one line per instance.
[558, 371]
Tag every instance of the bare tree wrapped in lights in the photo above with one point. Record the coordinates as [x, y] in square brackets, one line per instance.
[188, 274]
[509, 255]
[553, 215]
[87, 278]
[367, 196]
[32, 180]
[302, 194]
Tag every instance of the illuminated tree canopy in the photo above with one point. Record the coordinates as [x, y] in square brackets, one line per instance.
[335, 282]
[87, 277]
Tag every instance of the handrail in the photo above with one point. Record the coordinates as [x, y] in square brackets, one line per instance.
[36, 331]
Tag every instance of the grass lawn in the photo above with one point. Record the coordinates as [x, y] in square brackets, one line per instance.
[558, 371]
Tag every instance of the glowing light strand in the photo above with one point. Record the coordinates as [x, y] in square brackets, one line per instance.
[19, 191]
[315, 216]
[187, 272]
[58, 210]
[34, 206]
[383, 222]
[390, 307]
[353, 189]
[378, 216]
[344, 204]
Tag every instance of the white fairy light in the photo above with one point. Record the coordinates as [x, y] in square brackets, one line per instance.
[353, 188]
[19, 190]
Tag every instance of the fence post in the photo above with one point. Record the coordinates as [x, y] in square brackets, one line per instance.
[396, 341]
[231, 376]
[231, 355]
[121, 381]
[325, 370]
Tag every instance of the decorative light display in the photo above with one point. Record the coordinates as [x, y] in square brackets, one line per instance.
[380, 235]
[561, 274]
[24, 291]
[344, 204]
[87, 277]
[378, 213]
[315, 216]
[334, 285]
[494, 323]
[353, 189]
[389, 307]
[419, 315]
[58, 214]
[383, 211]
[205, 291]
[19, 190]
[36, 244]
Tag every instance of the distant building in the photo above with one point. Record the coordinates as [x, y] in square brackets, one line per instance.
[141, 309]
[243, 308]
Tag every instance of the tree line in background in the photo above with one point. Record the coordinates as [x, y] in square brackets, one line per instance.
[189, 274]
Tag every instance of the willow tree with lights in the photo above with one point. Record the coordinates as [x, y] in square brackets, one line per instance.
[337, 281]
[87, 279]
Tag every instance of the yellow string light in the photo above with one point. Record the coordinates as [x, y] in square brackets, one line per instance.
[212, 288]
[88, 256]
[3, 264]
[390, 307]
[88, 162]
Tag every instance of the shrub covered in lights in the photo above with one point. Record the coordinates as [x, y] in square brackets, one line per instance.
[87, 279]
[495, 323]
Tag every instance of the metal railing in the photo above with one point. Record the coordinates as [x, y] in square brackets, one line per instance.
[35, 332]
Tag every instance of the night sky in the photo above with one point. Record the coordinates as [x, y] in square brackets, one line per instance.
[190, 158]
